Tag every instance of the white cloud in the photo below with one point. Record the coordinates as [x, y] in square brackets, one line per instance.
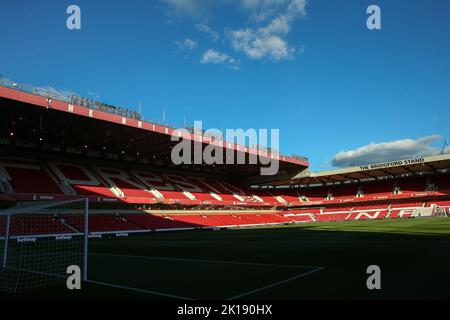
[192, 8]
[269, 40]
[271, 21]
[387, 151]
[216, 57]
[207, 30]
[259, 9]
[257, 45]
[265, 9]
[187, 44]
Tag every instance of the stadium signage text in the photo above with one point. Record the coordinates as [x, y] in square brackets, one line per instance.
[392, 164]
[26, 239]
[63, 237]
[121, 234]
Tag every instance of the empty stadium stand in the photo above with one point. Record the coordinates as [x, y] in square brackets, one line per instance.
[24, 179]
[122, 166]
[28, 177]
[143, 221]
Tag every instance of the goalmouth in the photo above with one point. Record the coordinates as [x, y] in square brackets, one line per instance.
[39, 241]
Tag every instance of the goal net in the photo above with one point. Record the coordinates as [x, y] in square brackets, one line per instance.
[39, 241]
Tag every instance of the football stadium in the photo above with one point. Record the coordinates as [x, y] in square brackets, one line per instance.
[90, 185]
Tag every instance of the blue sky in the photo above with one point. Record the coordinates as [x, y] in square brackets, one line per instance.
[312, 70]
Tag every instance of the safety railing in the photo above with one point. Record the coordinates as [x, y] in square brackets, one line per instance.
[74, 99]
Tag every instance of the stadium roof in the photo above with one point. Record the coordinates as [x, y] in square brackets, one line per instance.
[371, 171]
[50, 123]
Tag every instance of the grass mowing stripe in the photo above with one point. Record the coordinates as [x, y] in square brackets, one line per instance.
[204, 261]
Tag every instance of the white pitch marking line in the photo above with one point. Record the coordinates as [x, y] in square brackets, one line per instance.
[203, 260]
[108, 285]
[274, 284]
[139, 290]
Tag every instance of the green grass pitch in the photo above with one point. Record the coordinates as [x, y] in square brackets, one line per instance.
[306, 261]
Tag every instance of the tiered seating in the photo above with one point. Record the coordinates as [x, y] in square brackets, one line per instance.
[289, 195]
[195, 220]
[412, 185]
[38, 224]
[381, 211]
[31, 178]
[381, 189]
[403, 210]
[265, 195]
[229, 219]
[443, 206]
[255, 219]
[443, 182]
[203, 196]
[203, 220]
[50, 224]
[102, 191]
[312, 194]
[278, 218]
[337, 209]
[344, 191]
[74, 173]
[252, 219]
[109, 223]
[305, 211]
[226, 195]
[121, 183]
[153, 222]
[332, 217]
[301, 215]
[442, 203]
[173, 195]
[334, 214]
[128, 184]
[305, 218]
[367, 214]
[104, 223]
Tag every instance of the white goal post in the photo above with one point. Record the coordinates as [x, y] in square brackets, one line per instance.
[39, 241]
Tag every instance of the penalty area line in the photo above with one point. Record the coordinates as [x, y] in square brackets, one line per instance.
[275, 284]
[106, 284]
[168, 295]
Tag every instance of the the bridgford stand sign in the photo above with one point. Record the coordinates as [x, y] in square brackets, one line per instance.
[393, 164]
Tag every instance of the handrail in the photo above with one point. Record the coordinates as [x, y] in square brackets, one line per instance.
[74, 99]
